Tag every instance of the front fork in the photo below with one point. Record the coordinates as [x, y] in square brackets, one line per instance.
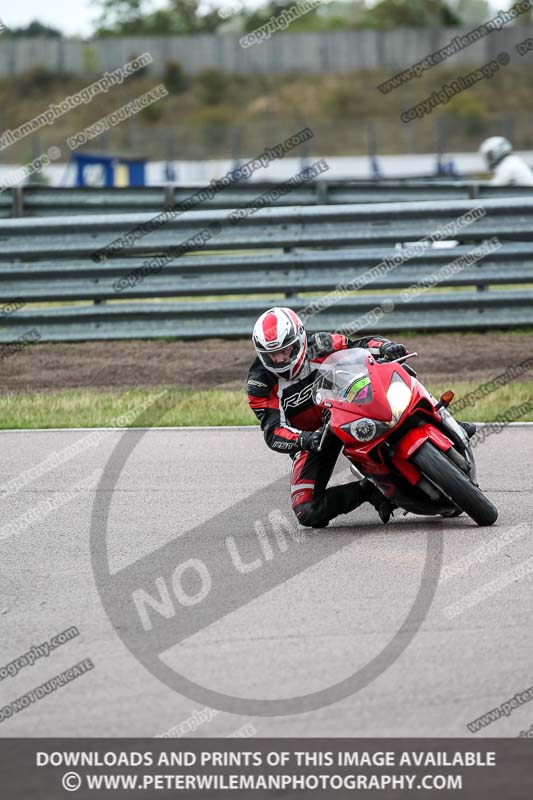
[460, 434]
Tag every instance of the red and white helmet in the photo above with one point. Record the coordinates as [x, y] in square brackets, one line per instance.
[280, 342]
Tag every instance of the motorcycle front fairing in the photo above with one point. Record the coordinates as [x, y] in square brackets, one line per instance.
[384, 402]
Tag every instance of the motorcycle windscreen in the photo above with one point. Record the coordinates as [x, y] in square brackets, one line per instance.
[344, 376]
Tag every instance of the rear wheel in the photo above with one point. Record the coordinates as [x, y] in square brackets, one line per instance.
[454, 484]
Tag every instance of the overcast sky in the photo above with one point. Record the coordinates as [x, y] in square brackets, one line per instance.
[74, 17]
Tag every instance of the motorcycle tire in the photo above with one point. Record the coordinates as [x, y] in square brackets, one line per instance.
[453, 483]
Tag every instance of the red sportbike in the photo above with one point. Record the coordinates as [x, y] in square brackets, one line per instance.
[399, 436]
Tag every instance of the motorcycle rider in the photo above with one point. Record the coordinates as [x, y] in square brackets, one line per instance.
[280, 385]
[509, 169]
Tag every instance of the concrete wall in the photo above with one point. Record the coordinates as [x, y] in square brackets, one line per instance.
[340, 51]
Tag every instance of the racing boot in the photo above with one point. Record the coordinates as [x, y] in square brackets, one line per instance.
[383, 505]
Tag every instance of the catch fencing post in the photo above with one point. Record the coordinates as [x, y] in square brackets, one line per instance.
[169, 199]
[17, 205]
[289, 295]
[321, 195]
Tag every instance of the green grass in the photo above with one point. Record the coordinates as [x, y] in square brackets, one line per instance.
[493, 407]
[183, 407]
[144, 407]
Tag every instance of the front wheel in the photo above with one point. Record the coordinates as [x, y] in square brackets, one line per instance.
[454, 484]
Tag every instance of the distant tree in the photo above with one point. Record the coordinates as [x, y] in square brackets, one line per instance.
[120, 16]
[116, 13]
[260, 16]
[188, 19]
[336, 15]
[410, 14]
[131, 17]
[473, 12]
[35, 28]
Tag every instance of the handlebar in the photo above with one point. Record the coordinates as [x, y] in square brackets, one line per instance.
[395, 360]
[403, 358]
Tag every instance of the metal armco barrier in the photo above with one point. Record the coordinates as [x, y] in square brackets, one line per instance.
[48, 281]
[286, 251]
[511, 219]
[40, 201]
[435, 312]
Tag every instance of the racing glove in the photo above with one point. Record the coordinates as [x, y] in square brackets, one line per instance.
[310, 440]
[392, 351]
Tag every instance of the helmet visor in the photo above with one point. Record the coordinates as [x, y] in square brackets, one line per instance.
[281, 359]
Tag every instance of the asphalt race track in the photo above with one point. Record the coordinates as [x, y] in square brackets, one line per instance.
[248, 606]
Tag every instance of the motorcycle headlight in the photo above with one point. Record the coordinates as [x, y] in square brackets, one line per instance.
[399, 397]
[365, 429]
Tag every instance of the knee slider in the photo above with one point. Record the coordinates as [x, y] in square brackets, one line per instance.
[310, 516]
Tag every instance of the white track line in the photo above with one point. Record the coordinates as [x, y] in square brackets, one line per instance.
[195, 428]
[151, 428]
